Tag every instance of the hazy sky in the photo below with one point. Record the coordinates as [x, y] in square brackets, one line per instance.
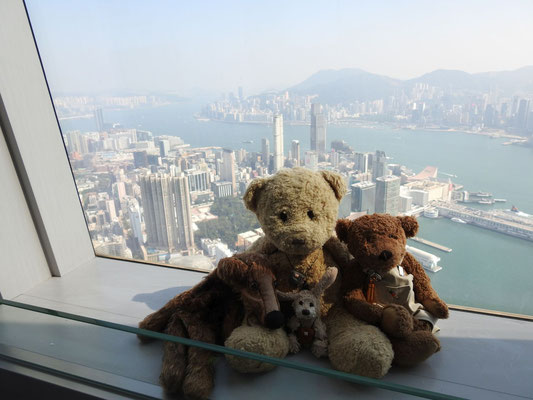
[186, 46]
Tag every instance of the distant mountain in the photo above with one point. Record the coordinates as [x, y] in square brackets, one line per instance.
[339, 86]
[350, 84]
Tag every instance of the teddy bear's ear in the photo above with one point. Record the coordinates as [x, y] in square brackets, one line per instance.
[342, 228]
[336, 182]
[409, 225]
[233, 271]
[251, 196]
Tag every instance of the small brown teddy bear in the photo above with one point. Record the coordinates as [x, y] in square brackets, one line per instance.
[306, 329]
[240, 289]
[386, 286]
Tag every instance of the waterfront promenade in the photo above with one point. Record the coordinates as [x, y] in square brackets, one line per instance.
[497, 220]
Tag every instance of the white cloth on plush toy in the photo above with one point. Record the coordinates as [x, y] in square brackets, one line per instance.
[396, 287]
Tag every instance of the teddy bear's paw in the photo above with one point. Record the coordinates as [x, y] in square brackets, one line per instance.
[362, 350]
[256, 339]
[437, 307]
[396, 321]
[415, 348]
[294, 345]
[198, 383]
[320, 348]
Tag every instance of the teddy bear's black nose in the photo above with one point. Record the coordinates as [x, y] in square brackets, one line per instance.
[305, 312]
[298, 242]
[385, 255]
[274, 319]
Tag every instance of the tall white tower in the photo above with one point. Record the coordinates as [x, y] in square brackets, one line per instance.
[278, 142]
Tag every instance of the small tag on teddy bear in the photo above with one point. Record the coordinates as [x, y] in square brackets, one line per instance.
[401, 271]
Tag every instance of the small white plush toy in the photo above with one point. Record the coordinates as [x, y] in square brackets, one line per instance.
[306, 329]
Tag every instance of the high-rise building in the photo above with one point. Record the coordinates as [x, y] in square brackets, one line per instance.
[379, 167]
[198, 180]
[99, 119]
[140, 159]
[278, 142]
[311, 160]
[388, 195]
[164, 147]
[523, 112]
[227, 172]
[295, 150]
[361, 162]
[134, 214]
[318, 129]
[222, 189]
[265, 151]
[167, 212]
[364, 197]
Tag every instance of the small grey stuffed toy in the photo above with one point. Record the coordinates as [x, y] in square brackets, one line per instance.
[306, 329]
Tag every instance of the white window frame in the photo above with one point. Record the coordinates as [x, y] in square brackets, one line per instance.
[31, 130]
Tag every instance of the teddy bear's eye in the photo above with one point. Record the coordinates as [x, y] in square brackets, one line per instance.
[393, 236]
[283, 216]
[311, 214]
[311, 305]
[254, 285]
[301, 303]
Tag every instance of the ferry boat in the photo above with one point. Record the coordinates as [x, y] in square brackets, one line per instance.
[459, 220]
[481, 194]
[500, 200]
[429, 261]
[431, 213]
[486, 202]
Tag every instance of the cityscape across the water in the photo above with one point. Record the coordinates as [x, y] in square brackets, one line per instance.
[156, 198]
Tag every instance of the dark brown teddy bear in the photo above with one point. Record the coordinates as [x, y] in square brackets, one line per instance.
[387, 287]
[240, 289]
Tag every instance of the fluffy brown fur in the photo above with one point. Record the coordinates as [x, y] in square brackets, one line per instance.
[242, 287]
[377, 243]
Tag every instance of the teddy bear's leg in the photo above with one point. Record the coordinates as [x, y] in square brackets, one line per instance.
[157, 321]
[415, 348]
[356, 347]
[256, 339]
[174, 358]
[199, 375]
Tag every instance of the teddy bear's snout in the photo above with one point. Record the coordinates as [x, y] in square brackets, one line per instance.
[385, 255]
[306, 312]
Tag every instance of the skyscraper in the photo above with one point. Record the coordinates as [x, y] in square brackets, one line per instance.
[278, 142]
[318, 129]
[167, 213]
[227, 171]
[361, 162]
[164, 147]
[99, 119]
[388, 195]
[523, 112]
[265, 151]
[296, 152]
[379, 167]
[364, 197]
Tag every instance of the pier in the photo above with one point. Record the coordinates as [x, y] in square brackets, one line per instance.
[432, 244]
[508, 223]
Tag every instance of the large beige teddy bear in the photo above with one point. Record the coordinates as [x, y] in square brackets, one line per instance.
[297, 209]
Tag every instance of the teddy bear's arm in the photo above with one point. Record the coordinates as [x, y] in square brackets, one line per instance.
[320, 329]
[355, 303]
[424, 292]
[293, 325]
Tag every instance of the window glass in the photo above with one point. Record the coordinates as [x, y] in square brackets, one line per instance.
[169, 109]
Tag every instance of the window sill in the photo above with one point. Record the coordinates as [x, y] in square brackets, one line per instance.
[482, 357]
